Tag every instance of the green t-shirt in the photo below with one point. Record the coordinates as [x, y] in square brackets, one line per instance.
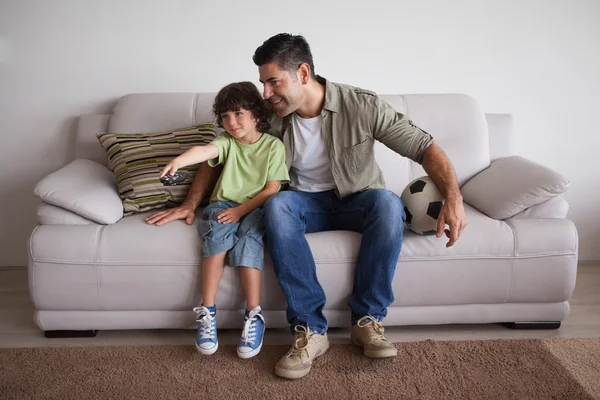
[247, 167]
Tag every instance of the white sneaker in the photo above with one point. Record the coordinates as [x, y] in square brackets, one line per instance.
[306, 347]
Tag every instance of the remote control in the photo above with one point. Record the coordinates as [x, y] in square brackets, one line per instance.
[172, 180]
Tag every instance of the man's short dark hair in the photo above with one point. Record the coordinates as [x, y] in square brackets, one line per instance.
[244, 95]
[285, 50]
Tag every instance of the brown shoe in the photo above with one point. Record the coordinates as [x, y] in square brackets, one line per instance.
[368, 333]
[306, 347]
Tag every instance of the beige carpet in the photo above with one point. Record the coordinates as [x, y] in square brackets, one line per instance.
[511, 369]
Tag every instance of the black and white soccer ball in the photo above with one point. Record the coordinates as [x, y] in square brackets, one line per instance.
[423, 202]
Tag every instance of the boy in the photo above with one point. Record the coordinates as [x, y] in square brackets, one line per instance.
[253, 170]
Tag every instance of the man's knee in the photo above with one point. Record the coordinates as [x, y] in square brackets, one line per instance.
[388, 203]
[278, 205]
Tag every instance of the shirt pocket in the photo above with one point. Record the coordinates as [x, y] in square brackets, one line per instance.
[356, 156]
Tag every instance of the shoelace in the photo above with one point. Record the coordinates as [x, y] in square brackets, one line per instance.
[303, 335]
[205, 319]
[377, 327]
[250, 326]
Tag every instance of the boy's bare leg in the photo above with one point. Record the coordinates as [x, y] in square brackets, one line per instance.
[212, 272]
[251, 283]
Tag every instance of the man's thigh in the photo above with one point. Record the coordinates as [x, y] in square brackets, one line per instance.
[351, 213]
[313, 209]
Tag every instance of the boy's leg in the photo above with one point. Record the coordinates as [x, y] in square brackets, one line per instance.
[249, 249]
[212, 272]
[288, 216]
[250, 278]
[249, 254]
[216, 237]
[253, 330]
[217, 240]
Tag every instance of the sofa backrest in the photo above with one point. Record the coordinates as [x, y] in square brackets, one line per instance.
[455, 121]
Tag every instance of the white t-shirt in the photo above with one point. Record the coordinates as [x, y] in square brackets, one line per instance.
[310, 170]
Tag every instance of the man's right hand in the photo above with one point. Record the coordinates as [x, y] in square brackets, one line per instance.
[162, 217]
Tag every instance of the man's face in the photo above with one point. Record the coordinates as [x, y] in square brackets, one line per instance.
[282, 89]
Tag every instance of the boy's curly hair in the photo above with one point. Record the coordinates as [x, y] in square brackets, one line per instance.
[244, 95]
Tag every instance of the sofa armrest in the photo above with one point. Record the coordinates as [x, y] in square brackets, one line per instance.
[47, 214]
[556, 207]
[84, 187]
[512, 184]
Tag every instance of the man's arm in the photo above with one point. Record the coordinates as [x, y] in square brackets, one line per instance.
[399, 133]
[203, 183]
[440, 169]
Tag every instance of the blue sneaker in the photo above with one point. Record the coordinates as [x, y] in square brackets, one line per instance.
[252, 335]
[206, 336]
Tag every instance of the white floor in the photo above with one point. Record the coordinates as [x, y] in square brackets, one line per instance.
[18, 330]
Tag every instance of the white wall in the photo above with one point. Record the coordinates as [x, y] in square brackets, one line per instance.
[539, 60]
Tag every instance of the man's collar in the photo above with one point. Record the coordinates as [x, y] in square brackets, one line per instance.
[332, 96]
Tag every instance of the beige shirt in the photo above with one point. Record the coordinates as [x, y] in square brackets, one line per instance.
[353, 119]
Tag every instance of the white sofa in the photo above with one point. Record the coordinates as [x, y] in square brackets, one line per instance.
[126, 274]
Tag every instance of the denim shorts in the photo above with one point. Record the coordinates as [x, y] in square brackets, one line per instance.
[243, 240]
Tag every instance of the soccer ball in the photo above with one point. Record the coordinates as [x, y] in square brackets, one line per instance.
[423, 202]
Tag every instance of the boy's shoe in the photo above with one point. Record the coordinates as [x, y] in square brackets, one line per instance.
[252, 335]
[206, 336]
[298, 361]
[368, 333]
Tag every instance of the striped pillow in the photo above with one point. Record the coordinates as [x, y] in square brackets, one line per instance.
[136, 159]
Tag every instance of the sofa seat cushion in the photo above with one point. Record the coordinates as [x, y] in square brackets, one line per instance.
[130, 266]
[494, 261]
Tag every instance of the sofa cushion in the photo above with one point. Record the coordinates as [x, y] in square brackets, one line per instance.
[512, 184]
[85, 188]
[136, 159]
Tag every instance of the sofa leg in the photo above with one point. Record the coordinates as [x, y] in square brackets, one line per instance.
[69, 334]
[533, 325]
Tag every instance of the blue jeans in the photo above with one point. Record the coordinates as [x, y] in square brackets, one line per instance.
[243, 240]
[376, 213]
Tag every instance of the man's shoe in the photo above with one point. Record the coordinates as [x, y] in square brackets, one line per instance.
[306, 347]
[206, 335]
[368, 333]
[252, 335]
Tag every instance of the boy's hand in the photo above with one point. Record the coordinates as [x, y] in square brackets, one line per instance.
[170, 168]
[229, 216]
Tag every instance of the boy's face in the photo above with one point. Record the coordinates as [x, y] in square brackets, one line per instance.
[282, 89]
[240, 124]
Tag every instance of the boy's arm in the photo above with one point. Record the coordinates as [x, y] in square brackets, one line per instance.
[203, 184]
[194, 155]
[232, 215]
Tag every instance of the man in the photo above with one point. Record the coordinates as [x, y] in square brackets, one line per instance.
[328, 131]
